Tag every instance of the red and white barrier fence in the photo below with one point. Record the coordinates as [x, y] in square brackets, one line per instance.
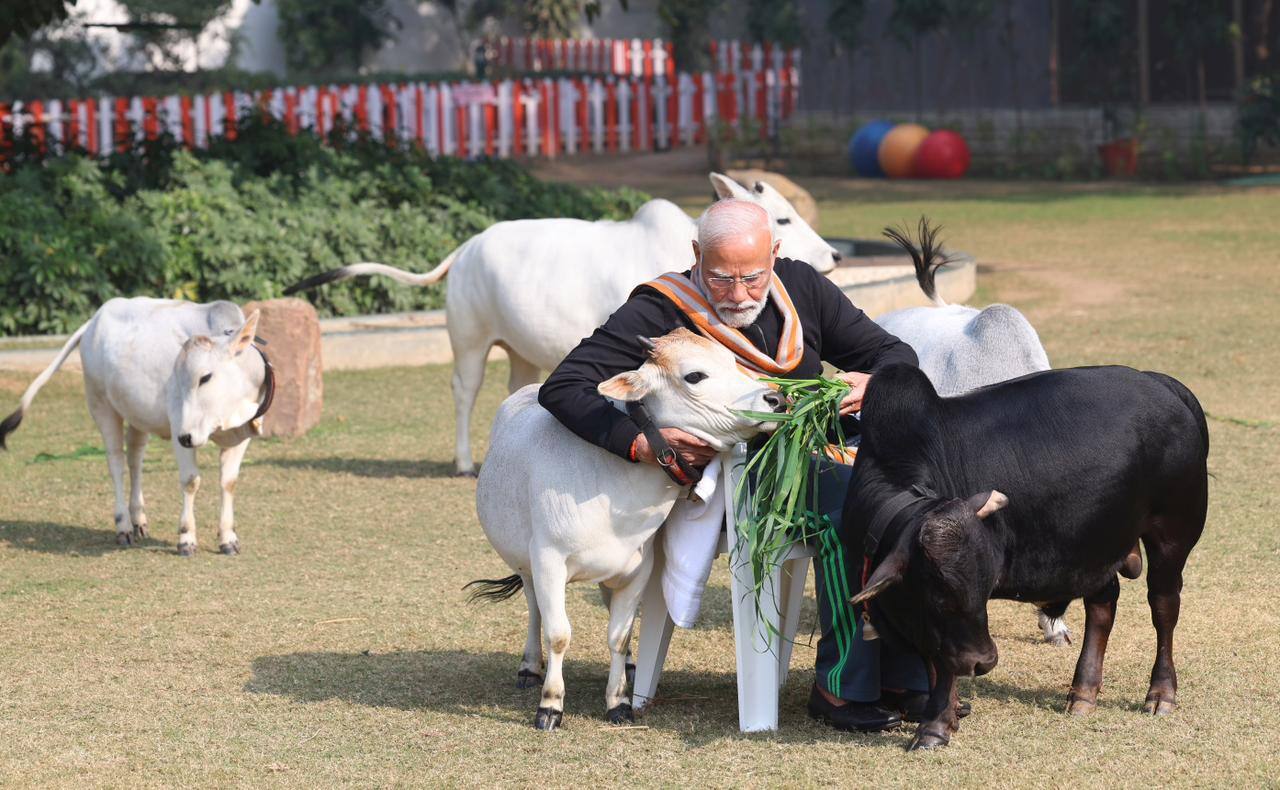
[541, 116]
[634, 57]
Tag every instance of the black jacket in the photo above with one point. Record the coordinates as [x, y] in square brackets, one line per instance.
[834, 331]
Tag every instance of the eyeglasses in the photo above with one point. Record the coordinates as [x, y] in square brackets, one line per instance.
[748, 281]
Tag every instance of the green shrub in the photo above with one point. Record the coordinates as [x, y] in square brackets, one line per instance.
[67, 245]
[248, 218]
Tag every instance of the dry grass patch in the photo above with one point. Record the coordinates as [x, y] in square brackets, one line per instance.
[338, 650]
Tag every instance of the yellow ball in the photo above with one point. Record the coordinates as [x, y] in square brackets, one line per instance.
[898, 149]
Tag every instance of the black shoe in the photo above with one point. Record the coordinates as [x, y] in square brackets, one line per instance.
[851, 716]
[911, 704]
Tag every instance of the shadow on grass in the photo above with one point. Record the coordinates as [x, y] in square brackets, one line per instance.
[47, 537]
[367, 467]
[699, 707]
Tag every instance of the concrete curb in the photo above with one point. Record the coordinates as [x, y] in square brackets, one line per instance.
[422, 338]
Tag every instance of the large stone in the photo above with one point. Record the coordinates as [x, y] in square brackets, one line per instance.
[292, 331]
[805, 205]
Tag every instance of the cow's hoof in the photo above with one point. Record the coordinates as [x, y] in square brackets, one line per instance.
[139, 531]
[186, 549]
[1079, 706]
[527, 679]
[1059, 640]
[230, 548]
[621, 714]
[630, 671]
[927, 740]
[547, 719]
[124, 539]
[1158, 704]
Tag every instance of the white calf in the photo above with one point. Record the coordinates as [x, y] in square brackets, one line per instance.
[536, 287]
[560, 510]
[962, 348]
[177, 370]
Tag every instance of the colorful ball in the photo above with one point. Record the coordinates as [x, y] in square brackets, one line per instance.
[863, 147]
[898, 149]
[943, 154]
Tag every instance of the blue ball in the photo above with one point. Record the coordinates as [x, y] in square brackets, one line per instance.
[864, 147]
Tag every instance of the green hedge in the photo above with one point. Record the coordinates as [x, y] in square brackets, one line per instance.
[249, 218]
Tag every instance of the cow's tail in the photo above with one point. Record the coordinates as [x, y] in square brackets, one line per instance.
[926, 254]
[366, 268]
[11, 423]
[494, 590]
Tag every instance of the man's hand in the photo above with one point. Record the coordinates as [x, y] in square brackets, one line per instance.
[857, 388]
[692, 449]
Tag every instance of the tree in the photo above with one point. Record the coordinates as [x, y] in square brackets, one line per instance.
[325, 35]
[1195, 26]
[777, 21]
[844, 21]
[542, 18]
[64, 61]
[909, 22]
[23, 17]
[190, 18]
[688, 24]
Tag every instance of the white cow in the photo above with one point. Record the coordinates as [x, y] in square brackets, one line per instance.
[177, 370]
[962, 348]
[560, 510]
[537, 287]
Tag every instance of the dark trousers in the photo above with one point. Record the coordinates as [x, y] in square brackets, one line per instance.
[848, 666]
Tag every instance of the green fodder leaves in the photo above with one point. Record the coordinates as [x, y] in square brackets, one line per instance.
[777, 496]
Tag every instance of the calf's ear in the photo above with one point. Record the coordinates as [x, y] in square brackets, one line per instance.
[629, 386]
[244, 338]
[728, 188]
[886, 574]
[986, 503]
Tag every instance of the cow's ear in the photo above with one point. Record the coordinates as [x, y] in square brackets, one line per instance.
[629, 386]
[244, 338]
[988, 502]
[886, 574]
[728, 188]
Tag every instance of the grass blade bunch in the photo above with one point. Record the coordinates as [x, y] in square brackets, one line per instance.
[777, 495]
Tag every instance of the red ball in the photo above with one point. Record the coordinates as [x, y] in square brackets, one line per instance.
[943, 154]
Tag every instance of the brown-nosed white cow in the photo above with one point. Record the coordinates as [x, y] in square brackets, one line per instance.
[177, 370]
[558, 509]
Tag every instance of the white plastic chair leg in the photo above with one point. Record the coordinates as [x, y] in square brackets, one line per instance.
[794, 574]
[655, 636]
[757, 662]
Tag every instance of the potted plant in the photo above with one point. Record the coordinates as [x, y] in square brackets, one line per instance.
[1120, 152]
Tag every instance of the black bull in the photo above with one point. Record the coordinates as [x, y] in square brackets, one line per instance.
[1037, 489]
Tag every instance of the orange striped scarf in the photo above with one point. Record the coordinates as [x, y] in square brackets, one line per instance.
[685, 294]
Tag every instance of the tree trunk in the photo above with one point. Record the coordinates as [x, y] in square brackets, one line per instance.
[1144, 54]
[1200, 89]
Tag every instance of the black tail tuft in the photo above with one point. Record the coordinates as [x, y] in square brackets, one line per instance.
[494, 590]
[316, 281]
[9, 425]
[927, 255]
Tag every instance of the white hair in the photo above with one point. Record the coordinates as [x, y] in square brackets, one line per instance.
[730, 218]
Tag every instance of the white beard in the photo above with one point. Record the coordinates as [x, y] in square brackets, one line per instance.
[740, 317]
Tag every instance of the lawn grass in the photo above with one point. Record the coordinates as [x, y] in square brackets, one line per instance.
[339, 650]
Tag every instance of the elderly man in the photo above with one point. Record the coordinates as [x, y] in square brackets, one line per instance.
[781, 318]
